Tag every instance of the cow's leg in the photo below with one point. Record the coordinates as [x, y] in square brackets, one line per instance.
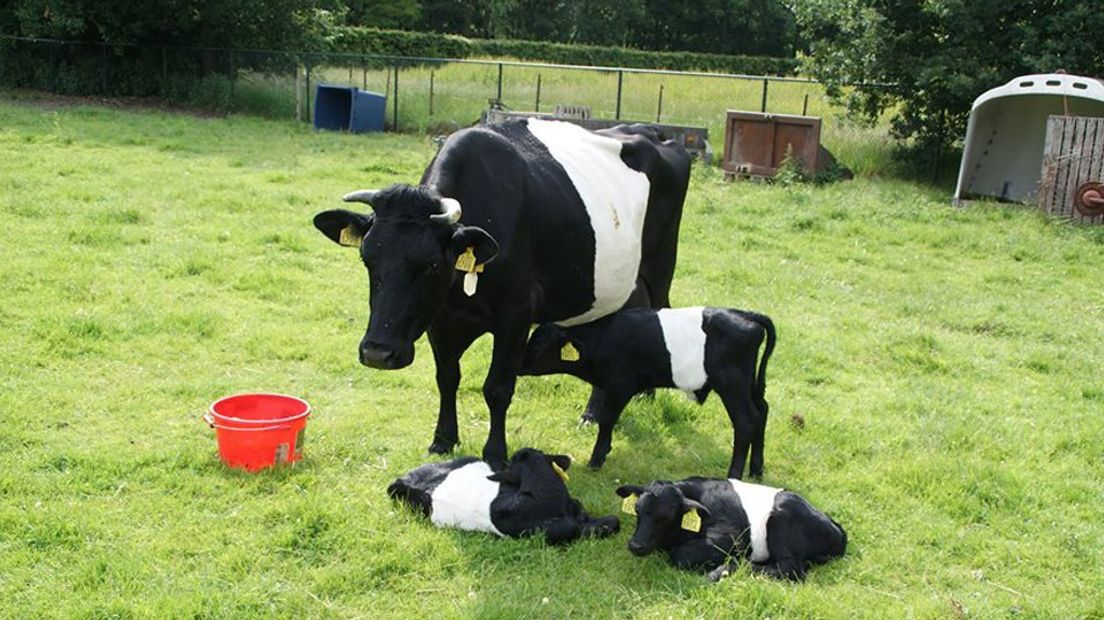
[744, 416]
[498, 388]
[607, 418]
[697, 554]
[757, 442]
[448, 343]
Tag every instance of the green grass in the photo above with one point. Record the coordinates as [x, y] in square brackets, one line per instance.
[946, 362]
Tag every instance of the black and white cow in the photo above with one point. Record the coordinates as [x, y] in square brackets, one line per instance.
[578, 224]
[711, 524]
[694, 349]
[526, 497]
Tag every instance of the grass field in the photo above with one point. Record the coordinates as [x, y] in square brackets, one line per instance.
[947, 364]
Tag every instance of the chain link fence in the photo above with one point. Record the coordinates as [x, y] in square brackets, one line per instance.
[432, 95]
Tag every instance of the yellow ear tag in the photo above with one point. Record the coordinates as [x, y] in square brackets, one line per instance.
[691, 520]
[466, 263]
[560, 472]
[569, 353]
[629, 505]
[350, 237]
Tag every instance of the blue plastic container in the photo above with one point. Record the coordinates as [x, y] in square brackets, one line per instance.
[347, 108]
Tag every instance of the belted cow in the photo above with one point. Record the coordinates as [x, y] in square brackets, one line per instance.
[578, 224]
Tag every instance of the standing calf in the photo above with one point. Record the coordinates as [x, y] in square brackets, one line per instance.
[693, 349]
[709, 524]
[527, 497]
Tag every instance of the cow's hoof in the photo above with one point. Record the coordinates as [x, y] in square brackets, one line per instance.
[441, 447]
[588, 417]
[596, 462]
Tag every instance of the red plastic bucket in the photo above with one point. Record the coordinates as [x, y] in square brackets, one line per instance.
[256, 431]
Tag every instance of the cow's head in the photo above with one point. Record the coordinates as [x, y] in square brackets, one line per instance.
[660, 509]
[409, 244]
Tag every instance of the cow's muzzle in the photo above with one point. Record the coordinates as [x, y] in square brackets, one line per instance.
[384, 358]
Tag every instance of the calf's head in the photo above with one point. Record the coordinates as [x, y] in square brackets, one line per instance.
[557, 350]
[409, 245]
[536, 491]
[660, 510]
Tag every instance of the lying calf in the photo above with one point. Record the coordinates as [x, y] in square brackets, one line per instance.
[709, 524]
[694, 349]
[527, 497]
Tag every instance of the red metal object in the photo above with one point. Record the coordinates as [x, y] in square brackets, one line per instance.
[1090, 199]
[756, 143]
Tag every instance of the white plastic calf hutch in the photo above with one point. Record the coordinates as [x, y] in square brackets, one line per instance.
[1006, 134]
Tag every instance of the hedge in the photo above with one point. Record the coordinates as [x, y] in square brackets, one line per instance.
[361, 40]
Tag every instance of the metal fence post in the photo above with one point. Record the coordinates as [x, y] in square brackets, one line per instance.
[537, 108]
[763, 106]
[659, 108]
[431, 72]
[498, 97]
[805, 106]
[307, 94]
[395, 109]
[620, 80]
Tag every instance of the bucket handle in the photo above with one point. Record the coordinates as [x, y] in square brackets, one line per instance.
[211, 422]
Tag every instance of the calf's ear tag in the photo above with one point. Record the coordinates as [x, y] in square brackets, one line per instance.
[350, 237]
[629, 505]
[560, 472]
[569, 353]
[691, 520]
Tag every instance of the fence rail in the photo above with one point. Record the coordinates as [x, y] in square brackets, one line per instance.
[424, 94]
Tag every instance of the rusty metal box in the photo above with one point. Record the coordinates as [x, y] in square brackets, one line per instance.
[756, 143]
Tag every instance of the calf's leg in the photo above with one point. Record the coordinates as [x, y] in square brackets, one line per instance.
[615, 403]
[744, 418]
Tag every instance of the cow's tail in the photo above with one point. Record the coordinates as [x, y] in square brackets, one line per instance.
[767, 324]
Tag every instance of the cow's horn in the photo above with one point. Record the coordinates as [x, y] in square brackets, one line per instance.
[364, 195]
[450, 212]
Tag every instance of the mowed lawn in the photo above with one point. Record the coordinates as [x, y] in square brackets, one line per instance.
[947, 365]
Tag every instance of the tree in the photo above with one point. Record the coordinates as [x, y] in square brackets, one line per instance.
[392, 14]
[938, 55]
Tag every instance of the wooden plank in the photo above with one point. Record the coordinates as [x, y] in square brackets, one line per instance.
[1060, 192]
[1045, 196]
[1075, 156]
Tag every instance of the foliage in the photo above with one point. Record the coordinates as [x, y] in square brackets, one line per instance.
[944, 362]
[400, 43]
[264, 24]
[742, 27]
[940, 55]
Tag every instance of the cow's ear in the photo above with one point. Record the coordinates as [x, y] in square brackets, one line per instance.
[626, 490]
[506, 477]
[482, 243]
[563, 460]
[689, 504]
[343, 227]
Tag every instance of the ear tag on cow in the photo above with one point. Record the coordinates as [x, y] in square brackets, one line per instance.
[470, 282]
[560, 472]
[629, 505]
[691, 520]
[350, 237]
[569, 353]
[466, 263]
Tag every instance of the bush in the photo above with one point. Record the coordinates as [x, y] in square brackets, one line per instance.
[399, 43]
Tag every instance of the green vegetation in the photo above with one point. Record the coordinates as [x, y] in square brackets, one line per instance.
[428, 44]
[946, 364]
[939, 56]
